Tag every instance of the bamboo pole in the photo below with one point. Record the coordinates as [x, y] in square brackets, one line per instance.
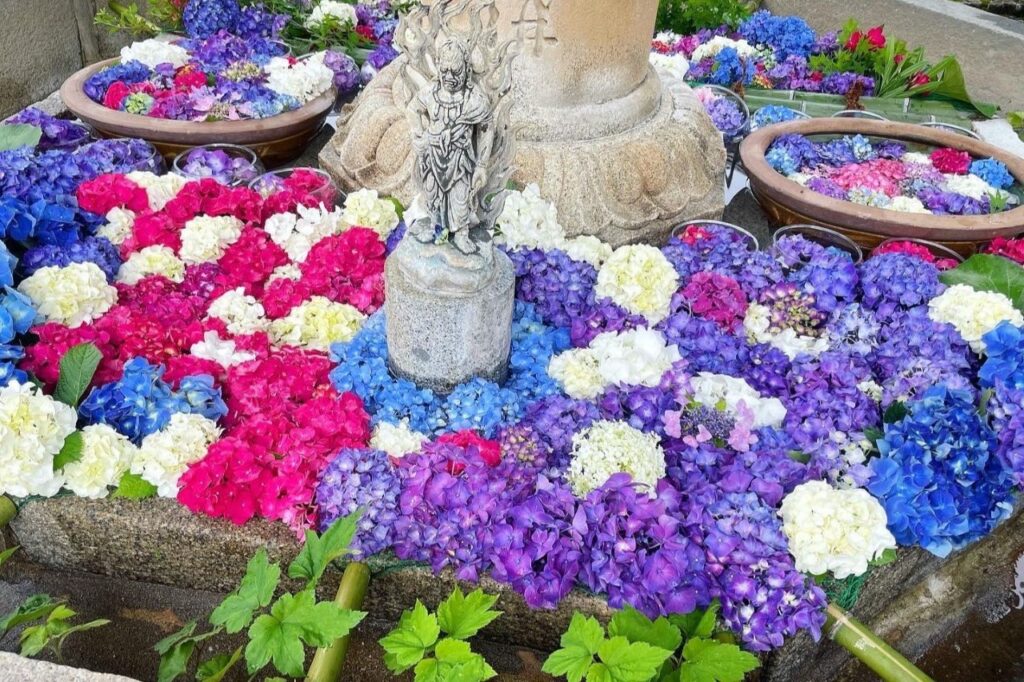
[860, 641]
[329, 662]
[7, 511]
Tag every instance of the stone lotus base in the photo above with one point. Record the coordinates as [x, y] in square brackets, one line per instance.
[623, 188]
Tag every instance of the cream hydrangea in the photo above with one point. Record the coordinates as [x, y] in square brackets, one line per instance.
[205, 238]
[317, 324]
[640, 279]
[288, 271]
[837, 531]
[973, 313]
[871, 389]
[33, 428]
[711, 48]
[159, 188]
[164, 456]
[366, 208]
[106, 456]
[154, 52]
[71, 295]
[917, 157]
[716, 390]
[608, 448]
[907, 205]
[118, 226]
[343, 12]
[637, 357]
[397, 440]
[970, 185]
[222, 351]
[588, 250]
[297, 233]
[304, 80]
[673, 65]
[241, 313]
[152, 260]
[529, 222]
[578, 373]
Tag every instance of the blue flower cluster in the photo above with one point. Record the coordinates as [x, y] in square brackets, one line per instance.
[772, 114]
[203, 18]
[1004, 357]
[826, 272]
[786, 35]
[361, 479]
[142, 403]
[790, 153]
[129, 73]
[729, 68]
[96, 250]
[16, 317]
[994, 172]
[938, 477]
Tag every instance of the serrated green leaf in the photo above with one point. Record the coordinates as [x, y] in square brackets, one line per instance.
[708, 660]
[636, 627]
[217, 667]
[33, 640]
[408, 643]
[70, 452]
[134, 487]
[77, 368]
[255, 591]
[320, 550]
[636, 662]
[428, 670]
[33, 608]
[585, 632]
[697, 623]
[599, 672]
[453, 651]
[986, 272]
[7, 554]
[15, 135]
[464, 616]
[579, 645]
[176, 650]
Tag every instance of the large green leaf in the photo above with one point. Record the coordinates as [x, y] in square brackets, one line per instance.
[631, 662]
[953, 85]
[407, 644]
[985, 272]
[70, 452]
[580, 643]
[708, 660]
[636, 627]
[77, 368]
[256, 590]
[15, 135]
[463, 616]
[134, 487]
[320, 550]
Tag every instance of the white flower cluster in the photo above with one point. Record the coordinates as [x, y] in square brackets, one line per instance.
[159, 188]
[71, 295]
[837, 531]
[287, 271]
[972, 186]
[907, 205]
[366, 208]
[33, 427]
[711, 48]
[297, 233]
[756, 323]
[154, 52]
[304, 80]
[152, 260]
[397, 440]
[673, 65]
[973, 313]
[608, 448]
[720, 390]
[317, 324]
[224, 352]
[241, 313]
[106, 457]
[640, 279]
[118, 226]
[342, 11]
[632, 358]
[205, 238]
[164, 456]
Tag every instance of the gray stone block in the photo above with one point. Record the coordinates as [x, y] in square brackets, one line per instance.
[14, 668]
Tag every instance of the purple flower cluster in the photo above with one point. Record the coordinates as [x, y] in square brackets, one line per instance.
[559, 287]
[361, 479]
[57, 133]
[826, 272]
[895, 282]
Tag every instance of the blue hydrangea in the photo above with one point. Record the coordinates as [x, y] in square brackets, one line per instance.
[994, 172]
[786, 35]
[895, 282]
[16, 314]
[203, 18]
[1004, 361]
[96, 250]
[772, 114]
[729, 68]
[199, 396]
[129, 73]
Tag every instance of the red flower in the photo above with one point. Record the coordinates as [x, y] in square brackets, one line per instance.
[249, 261]
[151, 229]
[189, 78]
[110, 191]
[854, 40]
[948, 160]
[920, 78]
[876, 37]
[1007, 248]
[365, 31]
[116, 95]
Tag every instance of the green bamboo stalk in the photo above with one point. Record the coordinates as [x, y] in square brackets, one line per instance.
[7, 511]
[330, 661]
[855, 637]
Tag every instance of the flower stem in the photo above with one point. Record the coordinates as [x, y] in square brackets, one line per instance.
[328, 662]
[7, 511]
[860, 641]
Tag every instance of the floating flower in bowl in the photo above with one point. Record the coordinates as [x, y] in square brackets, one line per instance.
[228, 164]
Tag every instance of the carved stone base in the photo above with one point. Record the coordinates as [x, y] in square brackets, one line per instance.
[624, 188]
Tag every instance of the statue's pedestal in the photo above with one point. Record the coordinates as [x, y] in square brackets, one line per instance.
[447, 325]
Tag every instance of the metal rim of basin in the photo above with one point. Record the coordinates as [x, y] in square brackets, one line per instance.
[777, 191]
[754, 243]
[959, 130]
[936, 249]
[824, 236]
[859, 113]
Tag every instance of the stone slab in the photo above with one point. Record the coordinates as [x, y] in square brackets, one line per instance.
[14, 668]
[999, 132]
[990, 48]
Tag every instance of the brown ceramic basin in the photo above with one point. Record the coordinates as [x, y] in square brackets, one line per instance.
[277, 139]
[788, 203]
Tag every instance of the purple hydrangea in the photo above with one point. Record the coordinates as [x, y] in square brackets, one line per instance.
[895, 282]
[361, 479]
[600, 317]
[826, 272]
[561, 288]
[203, 18]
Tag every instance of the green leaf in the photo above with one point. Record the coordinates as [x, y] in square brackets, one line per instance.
[399, 209]
[176, 650]
[15, 135]
[463, 616]
[896, 412]
[320, 550]
[580, 643]
[455, 662]
[134, 487]
[708, 660]
[636, 627]
[886, 557]
[873, 435]
[7, 554]
[217, 667]
[698, 623]
[70, 452]
[985, 272]
[1016, 119]
[408, 643]
[599, 672]
[255, 591]
[77, 368]
[428, 670]
[636, 662]
[33, 608]
[33, 640]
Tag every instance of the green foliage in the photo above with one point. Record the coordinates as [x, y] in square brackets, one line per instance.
[70, 452]
[123, 17]
[14, 135]
[638, 649]
[77, 368]
[134, 487]
[278, 631]
[985, 272]
[1016, 119]
[416, 642]
[689, 16]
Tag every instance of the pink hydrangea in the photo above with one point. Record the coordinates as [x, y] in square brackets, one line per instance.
[948, 160]
[717, 298]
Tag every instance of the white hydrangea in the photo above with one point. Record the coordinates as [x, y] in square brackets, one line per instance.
[71, 295]
[297, 233]
[222, 351]
[288, 271]
[711, 48]
[304, 80]
[577, 372]
[673, 65]
[918, 158]
[871, 389]
[640, 279]
[608, 448]
[397, 440]
[529, 222]
[159, 188]
[154, 52]
[366, 208]
[118, 227]
[715, 390]
[837, 531]
[588, 250]
[973, 313]
[106, 456]
[152, 260]
[241, 313]
[342, 11]
[33, 428]
[205, 238]
[970, 185]
[907, 205]
[637, 357]
[164, 456]
[317, 324]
